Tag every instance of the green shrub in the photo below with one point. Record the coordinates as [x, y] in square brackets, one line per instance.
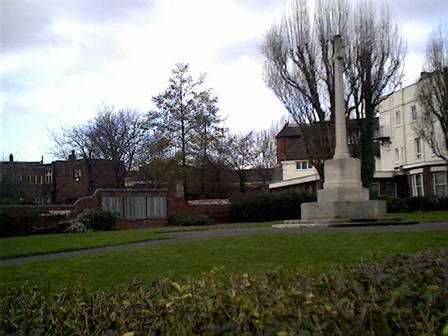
[97, 219]
[443, 203]
[49, 224]
[423, 203]
[8, 201]
[184, 219]
[418, 203]
[396, 204]
[268, 207]
[402, 295]
[74, 226]
[16, 226]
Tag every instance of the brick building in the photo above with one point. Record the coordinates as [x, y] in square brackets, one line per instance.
[59, 182]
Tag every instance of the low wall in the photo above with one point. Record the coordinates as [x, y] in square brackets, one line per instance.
[219, 212]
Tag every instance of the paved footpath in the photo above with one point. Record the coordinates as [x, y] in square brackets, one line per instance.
[187, 236]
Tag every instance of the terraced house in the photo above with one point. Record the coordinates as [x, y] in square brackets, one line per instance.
[58, 182]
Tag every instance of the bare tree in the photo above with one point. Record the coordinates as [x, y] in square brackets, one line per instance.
[374, 68]
[299, 69]
[79, 140]
[119, 137]
[116, 136]
[239, 154]
[265, 151]
[432, 124]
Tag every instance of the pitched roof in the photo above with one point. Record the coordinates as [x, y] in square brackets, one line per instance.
[297, 151]
[289, 131]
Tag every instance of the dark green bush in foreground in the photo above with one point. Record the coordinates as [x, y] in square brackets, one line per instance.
[269, 207]
[403, 295]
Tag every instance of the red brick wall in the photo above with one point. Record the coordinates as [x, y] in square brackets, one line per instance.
[68, 188]
[174, 205]
[283, 146]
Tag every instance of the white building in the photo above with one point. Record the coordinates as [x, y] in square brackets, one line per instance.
[405, 164]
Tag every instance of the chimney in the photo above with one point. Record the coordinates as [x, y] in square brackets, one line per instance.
[11, 158]
[72, 156]
[424, 75]
[42, 159]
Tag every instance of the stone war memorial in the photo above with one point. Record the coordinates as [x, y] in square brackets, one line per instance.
[342, 199]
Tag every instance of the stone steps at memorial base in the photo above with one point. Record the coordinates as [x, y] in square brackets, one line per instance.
[345, 222]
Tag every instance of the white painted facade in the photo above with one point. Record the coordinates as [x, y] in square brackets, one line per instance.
[401, 151]
[398, 115]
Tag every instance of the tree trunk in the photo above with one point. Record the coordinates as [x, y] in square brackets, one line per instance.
[242, 176]
[367, 154]
[89, 177]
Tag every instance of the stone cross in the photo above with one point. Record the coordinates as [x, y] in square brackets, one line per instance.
[341, 150]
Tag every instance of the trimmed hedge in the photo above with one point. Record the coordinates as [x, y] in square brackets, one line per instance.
[30, 224]
[91, 219]
[269, 207]
[402, 295]
[420, 203]
[185, 219]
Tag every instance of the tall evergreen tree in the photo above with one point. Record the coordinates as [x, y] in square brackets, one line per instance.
[186, 116]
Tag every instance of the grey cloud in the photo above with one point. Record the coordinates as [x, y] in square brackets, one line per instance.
[417, 10]
[27, 23]
[239, 49]
[260, 4]
[107, 10]
[24, 23]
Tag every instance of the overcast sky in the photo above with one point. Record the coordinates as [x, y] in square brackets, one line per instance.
[61, 59]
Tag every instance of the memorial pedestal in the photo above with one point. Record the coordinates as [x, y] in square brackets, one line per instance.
[343, 195]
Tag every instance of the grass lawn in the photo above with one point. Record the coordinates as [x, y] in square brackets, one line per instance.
[252, 253]
[38, 244]
[423, 216]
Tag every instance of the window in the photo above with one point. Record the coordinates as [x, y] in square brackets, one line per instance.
[397, 118]
[413, 113]
[136, 207]
[375, 189]
[417, 185]
[390, 188]
[113, 204]
[48, 176]
[397, 155]
[418, 149]
[156, 207]
[40, 179]
[38, 200]
[440, 184]
[77, 173]
[302, 165]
